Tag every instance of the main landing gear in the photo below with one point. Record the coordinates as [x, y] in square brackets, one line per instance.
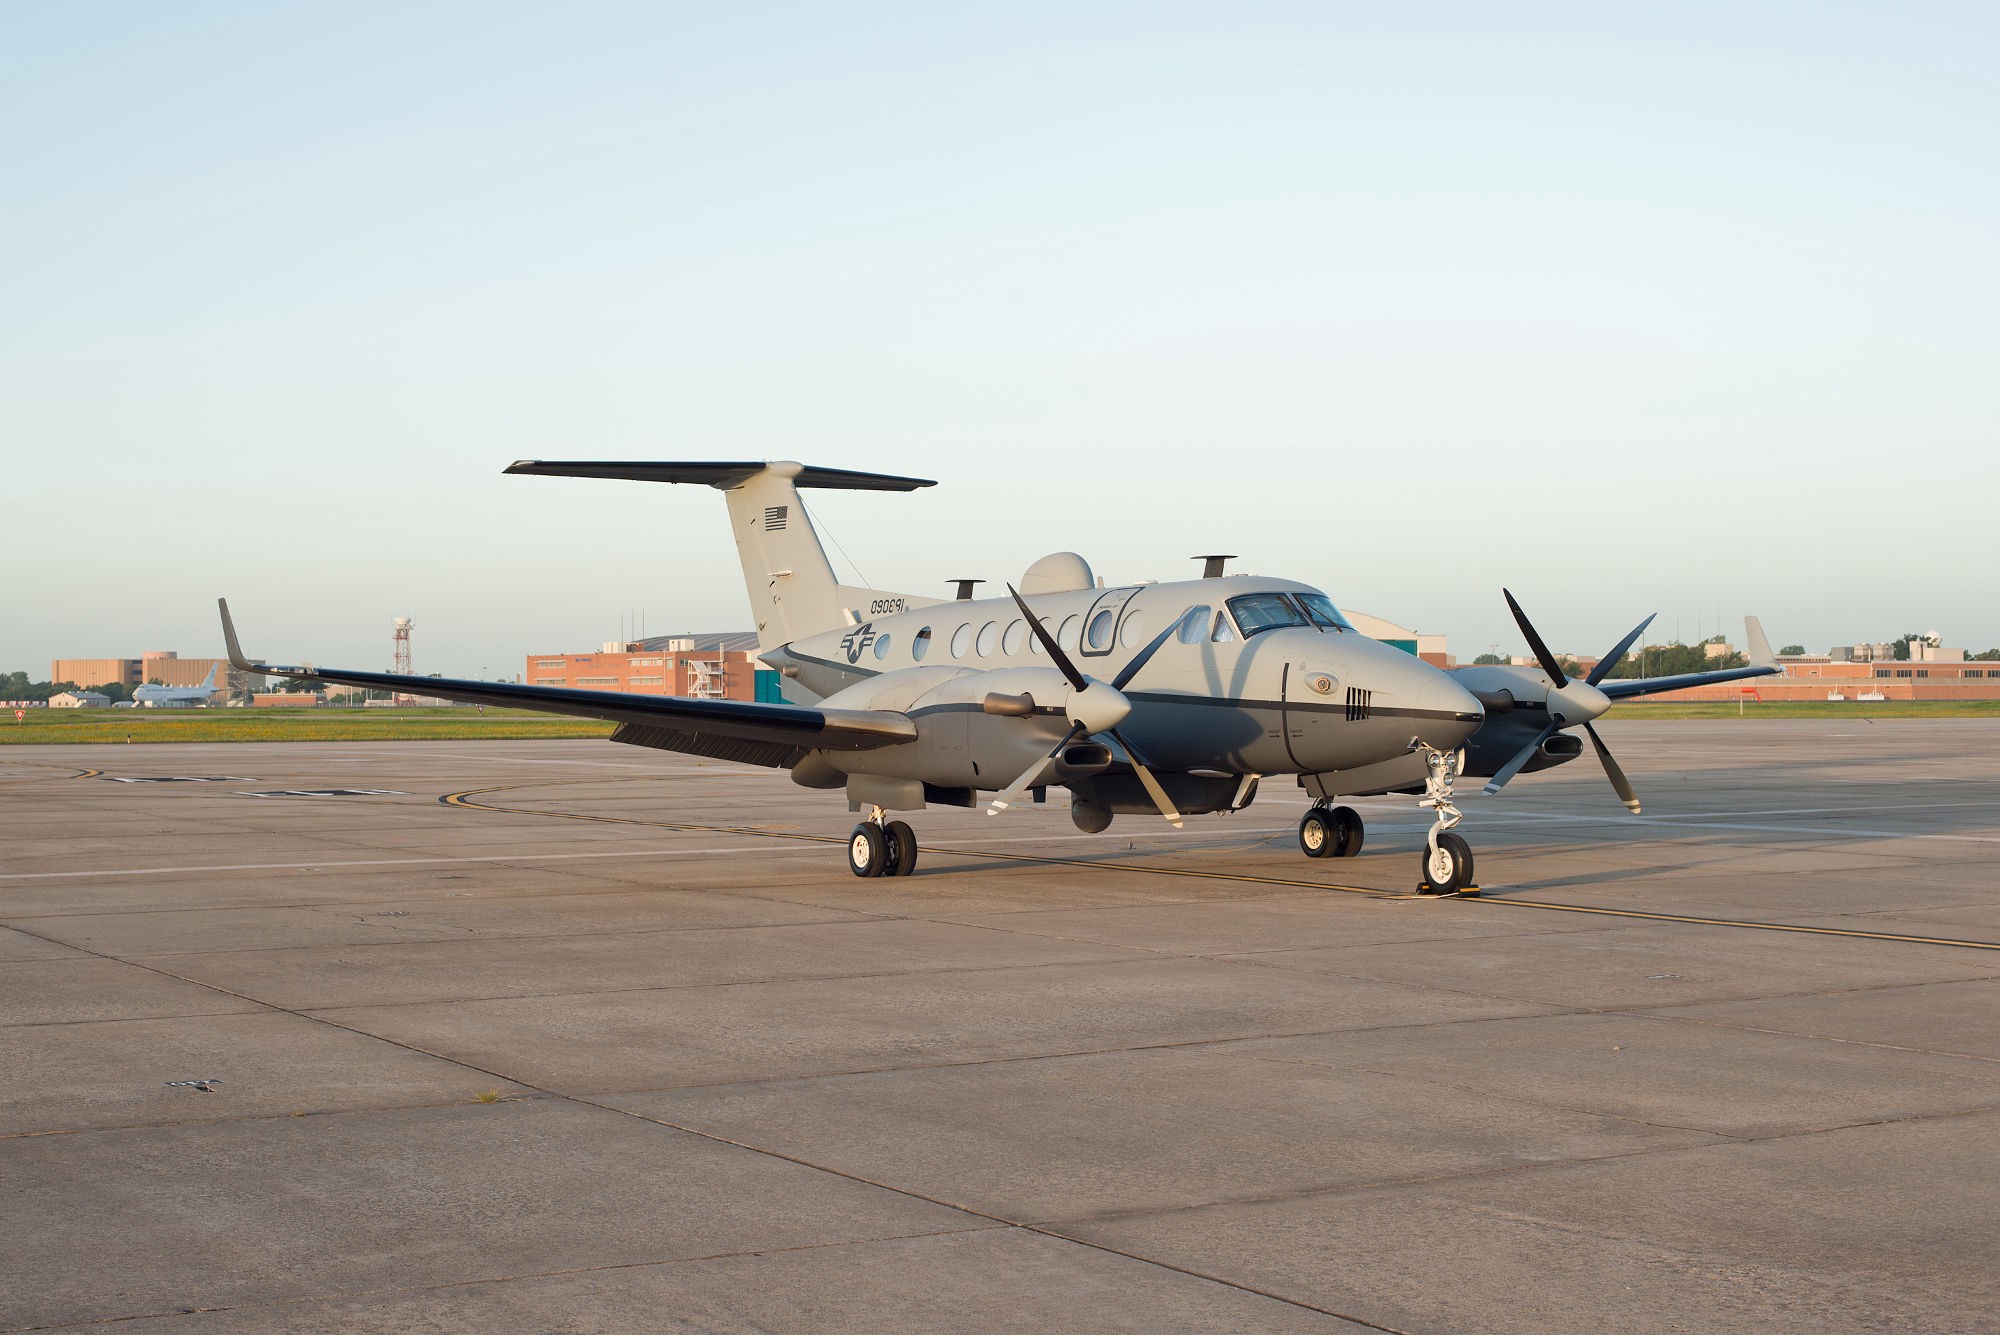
[881, 847]
[1447, 861]
[1330, 832]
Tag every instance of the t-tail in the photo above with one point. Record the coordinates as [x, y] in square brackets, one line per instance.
[793, 590]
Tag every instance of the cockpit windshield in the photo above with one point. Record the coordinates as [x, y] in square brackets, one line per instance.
[1321, 609]
[1257, 612]
[1268, 611]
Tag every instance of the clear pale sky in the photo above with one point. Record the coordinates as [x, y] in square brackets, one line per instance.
[1682, 308]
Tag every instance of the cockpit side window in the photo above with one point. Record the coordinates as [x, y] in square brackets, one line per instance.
[1225, 629]
[1322, 611]
[1193, 625]
[1265, 611]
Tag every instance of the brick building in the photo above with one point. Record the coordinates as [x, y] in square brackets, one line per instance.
[718, 667]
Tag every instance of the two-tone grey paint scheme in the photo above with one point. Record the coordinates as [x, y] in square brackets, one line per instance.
[900, 719]
[1302, 700]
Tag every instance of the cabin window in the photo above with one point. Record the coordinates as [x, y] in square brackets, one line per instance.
[1320, 609]
[1100, 630]
[961, 640]
[1133, 632]
[1066, 637]
[989, 638]
[921, 645]
[1194, 625]
[1225, 630]
[1010, 643]
[882, 645]
[1256, 612]
[1035, 641]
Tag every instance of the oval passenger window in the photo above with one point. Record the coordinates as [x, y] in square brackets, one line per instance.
[921, 645]
[1133, 632]
[1010, 643]
[961, 640]
[1100, 630]
[882, 646]
[1066, 637]
[989, 635]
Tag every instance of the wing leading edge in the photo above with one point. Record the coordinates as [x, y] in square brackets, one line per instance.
[1624, 688]
[751, 732]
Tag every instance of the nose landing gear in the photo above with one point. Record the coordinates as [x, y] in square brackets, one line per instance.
[1447, 860]
[880, 847]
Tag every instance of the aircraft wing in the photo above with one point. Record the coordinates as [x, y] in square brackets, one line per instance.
[776, 735]
[1621, 688]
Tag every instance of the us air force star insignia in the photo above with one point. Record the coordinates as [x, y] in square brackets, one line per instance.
[856, 640]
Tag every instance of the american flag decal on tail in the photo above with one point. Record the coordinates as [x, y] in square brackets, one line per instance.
[774, 517]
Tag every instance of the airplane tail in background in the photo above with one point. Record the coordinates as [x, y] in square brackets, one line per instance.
[1759, 654]
[208, 682]
[793, 589]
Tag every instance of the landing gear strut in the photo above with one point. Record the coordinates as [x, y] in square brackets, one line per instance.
[880, 847]
[1330, 832]
[1447, 861]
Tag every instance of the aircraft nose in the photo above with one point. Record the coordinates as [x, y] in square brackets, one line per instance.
[1446, 712]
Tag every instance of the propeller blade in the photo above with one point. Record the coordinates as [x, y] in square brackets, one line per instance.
[1542, 654]
[1041, 632]
[1619, 783]
[1520, 758]
[1609, 663]
[1012, 793]
[1131, 669]
[1147, 781]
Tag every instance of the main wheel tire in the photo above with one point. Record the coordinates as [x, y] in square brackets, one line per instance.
[1347, 824]
[1318, 838]
[1448, 868]
[867, 850]
[902, 842]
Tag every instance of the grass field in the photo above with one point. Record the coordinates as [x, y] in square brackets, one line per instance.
[53, 726]
[57, 726]
[1826, 709]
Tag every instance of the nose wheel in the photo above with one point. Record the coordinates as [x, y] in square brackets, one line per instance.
[882, 848]
[1330, 832]
[1447, 860]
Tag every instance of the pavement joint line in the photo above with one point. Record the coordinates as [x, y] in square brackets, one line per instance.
[321, 1018]
[725, 983]
[1839, 832]
[463, 799]
[357, 1295]
[1666, 1013]
[1026, 1226]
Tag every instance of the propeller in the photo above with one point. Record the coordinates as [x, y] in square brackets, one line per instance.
[1093, 707]
[1571, 702]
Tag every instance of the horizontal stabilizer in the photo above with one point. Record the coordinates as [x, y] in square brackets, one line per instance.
[722, 476]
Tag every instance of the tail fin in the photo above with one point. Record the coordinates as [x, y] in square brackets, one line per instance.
[793, 590]
[1760, 654]
[208, 682]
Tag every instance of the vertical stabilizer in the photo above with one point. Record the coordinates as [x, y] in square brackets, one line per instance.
[793, 590]
[1760, 654]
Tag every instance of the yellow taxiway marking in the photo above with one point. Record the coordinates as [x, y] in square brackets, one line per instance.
[464, 799]
[31, 778]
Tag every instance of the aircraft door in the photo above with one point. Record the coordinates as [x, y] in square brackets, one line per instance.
[1100, 627]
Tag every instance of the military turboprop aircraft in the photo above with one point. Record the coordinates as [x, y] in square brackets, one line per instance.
[1175, 698]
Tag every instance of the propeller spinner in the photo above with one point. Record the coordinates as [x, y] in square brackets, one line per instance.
[1094, 708]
